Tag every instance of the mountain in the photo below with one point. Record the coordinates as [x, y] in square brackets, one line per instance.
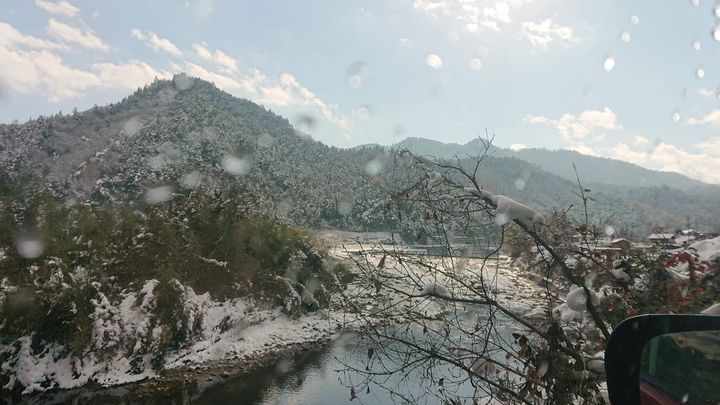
[177, 134]
[560, 162]
[628, 195]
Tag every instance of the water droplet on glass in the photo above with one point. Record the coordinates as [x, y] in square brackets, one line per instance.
[475, 64]
[519, 184]
[642, 179]
[445, 78]
[625, 37]
[716, 33]
[344, 208]
[696, 45]
[265, 140]
[355, 75]
[183, 81]
[191, 180]
[374, 167]
[132, 126]
[345, 340]
[362, 113]
[609, 230]
[405, 42]
[716, 10]
[542, 369]
[700, 73]
[399, 129]
[501, 219]
[158, 195]
[285, 206]
[235, 165]
[30, 247]
[453, 37]
[695, 3]
[434, 61]
[685, 398]
[609, 64]
[634, 20]
[305, 123]
[676, 116]
[283, 366]
[156, 162]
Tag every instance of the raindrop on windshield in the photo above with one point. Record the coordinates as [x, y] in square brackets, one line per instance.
[520, 184]
[609, 230]
[183, 81]
[634, 20]
[676, 116]
[29, 246]
[363, 112]
[700, 73]
[716, 10]
[695, 3]
[305, 123]
[501, 219]
[374, 167]
[475, 64]
[356, 74]
[434, 61]
[265, 140]
[132, 126]
[158, 195]
[235, 165]
[716, 33]
[696, 45]
[609, 64]
[625, 37]
[191, 180]
[283, 366]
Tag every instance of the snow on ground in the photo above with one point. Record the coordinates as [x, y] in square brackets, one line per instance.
[708, 249]
[125, 338]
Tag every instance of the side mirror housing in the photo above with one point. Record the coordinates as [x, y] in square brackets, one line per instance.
[624, 354]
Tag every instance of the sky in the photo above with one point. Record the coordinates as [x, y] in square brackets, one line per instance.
[635, 80]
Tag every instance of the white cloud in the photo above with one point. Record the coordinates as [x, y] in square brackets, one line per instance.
[127, 75]
[666, 157]
[153, 41]
[74, 35]
[711, 146]
[641, 140]
[702, 91]
[712, 118]
[471, 15]
[59, 7]
[518, 146]
[499, 12]
[221, 59]
[542, 34]
[10, 38]
[589, 125]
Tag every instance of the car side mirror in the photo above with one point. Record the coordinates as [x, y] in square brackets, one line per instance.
[664, 359]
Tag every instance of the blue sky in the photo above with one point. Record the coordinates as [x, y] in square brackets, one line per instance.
[533, 73]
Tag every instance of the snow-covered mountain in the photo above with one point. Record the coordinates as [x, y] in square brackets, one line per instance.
[176, 134]
[183, 132]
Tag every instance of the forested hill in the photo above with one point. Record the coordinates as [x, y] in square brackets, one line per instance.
[560, 162]
[176, 134]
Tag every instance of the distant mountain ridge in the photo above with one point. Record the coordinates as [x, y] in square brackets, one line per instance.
[177, 134]
[559, 162]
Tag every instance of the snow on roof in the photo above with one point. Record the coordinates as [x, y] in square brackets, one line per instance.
[661, 236]
[708, 249]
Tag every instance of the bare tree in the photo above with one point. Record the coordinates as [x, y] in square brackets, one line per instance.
[448, 310]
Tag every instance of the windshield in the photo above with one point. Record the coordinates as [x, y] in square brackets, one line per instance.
[406, 201]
